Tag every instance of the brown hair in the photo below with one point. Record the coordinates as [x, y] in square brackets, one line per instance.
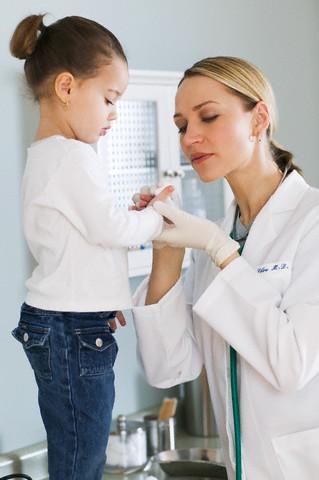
[74, 44]
[246, 81]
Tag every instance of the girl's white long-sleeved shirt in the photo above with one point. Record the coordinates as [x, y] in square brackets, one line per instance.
[75, 232]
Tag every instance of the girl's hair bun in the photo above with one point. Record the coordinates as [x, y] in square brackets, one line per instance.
[25, 36]
[72, 44]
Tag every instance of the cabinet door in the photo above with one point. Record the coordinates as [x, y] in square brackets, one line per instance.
[131, 148]
[142, 148]
[136, 152]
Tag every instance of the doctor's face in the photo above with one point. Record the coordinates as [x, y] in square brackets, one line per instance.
[214, 127]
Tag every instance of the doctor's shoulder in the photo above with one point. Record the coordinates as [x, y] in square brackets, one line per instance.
[307, 211]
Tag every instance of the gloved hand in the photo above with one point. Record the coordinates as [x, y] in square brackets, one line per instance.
[148, 195]
[194, 232]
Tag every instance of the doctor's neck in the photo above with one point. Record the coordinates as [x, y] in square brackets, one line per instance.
[253, 186]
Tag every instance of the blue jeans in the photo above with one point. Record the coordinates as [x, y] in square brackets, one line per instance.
[72, 355]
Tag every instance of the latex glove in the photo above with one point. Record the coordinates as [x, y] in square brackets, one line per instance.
[194, 232]
[147, 196]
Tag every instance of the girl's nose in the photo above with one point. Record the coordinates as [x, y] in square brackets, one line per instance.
[113, 114]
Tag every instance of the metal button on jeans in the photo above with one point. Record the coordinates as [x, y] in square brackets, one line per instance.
[99, 342]
[25, 337]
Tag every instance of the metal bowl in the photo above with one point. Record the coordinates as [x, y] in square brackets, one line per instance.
[193, 462]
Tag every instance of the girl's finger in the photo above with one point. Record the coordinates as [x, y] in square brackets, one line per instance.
[121, 319]
[112, 324]
[146, 198]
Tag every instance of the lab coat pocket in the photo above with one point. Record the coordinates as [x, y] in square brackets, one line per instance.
[297, 454]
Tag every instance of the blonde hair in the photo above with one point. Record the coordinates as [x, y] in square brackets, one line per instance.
[248, 82]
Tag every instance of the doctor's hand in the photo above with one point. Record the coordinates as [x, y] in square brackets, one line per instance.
[148, 195]
[194, 232]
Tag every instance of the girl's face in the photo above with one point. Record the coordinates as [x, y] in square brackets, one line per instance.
[214, 127]
[92, 101]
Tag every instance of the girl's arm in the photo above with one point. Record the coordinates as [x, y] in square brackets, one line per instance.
[78, 191]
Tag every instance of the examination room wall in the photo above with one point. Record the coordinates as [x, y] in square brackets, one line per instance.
[281, 36]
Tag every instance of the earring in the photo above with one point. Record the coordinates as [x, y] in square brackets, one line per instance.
[66, 105]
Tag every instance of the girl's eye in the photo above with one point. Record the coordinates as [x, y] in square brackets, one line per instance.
[210, 119]
[108, 102]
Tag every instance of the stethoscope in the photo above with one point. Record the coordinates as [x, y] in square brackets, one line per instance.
[233, 361]
[16, 475]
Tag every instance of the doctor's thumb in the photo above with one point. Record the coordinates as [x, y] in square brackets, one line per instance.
[167, 211]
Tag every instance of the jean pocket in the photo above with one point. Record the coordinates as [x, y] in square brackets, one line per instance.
[36, 344]
[97, 351]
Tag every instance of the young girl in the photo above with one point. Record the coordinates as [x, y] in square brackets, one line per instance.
[77, 70]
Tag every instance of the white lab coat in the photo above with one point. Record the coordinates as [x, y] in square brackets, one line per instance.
[266, 305]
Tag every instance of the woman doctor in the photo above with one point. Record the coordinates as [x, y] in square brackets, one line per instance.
[249, 308]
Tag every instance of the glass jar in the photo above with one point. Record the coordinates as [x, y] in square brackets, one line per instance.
[126, 449]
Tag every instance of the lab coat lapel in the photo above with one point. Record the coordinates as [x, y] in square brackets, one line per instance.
[265, 227]
[227, 223]
[262, 232]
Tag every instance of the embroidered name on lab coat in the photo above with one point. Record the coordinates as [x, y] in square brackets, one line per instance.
[273, 267]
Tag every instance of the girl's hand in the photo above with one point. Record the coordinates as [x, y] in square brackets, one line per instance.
[143, 198]
[120, 318]
[149, 195]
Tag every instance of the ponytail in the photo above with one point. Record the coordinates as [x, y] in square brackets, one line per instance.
[25, 37]
[73, 44]
[283, 158]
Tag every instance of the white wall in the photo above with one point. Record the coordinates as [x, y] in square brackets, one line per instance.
[281, 36]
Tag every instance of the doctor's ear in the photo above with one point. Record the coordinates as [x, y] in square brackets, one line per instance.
[261, 119]
[63, 85]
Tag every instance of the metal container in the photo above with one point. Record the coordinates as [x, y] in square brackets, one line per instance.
[199, 419]
[152, 436]
[166, 430]
[160, 434]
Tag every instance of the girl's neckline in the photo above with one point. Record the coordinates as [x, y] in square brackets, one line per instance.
[51, 137]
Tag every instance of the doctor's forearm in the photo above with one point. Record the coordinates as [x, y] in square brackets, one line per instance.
[229, 260]
[166, 270]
